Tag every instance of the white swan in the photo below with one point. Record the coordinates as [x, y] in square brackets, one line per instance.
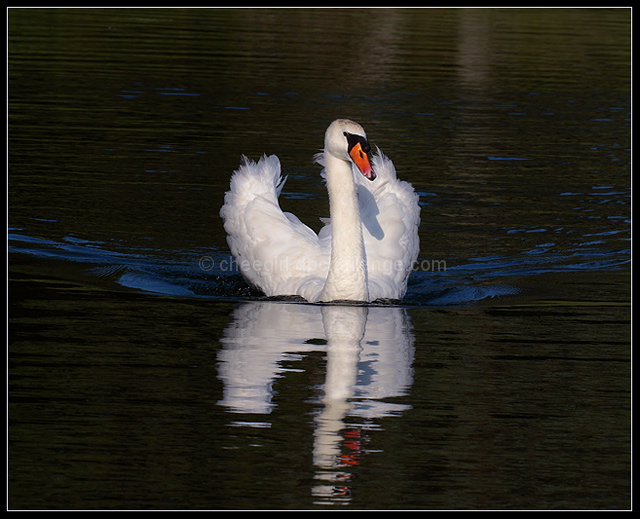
[364, 252]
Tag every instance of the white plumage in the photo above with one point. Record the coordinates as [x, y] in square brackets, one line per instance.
[365, 251]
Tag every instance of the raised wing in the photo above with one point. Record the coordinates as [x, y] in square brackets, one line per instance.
[391, 216]
[275, 251]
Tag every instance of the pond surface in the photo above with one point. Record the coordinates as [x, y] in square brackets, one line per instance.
[143, 372]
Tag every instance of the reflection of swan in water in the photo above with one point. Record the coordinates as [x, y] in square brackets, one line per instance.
[260, 337]
[345, 329]
[369, 357]
[264, 334]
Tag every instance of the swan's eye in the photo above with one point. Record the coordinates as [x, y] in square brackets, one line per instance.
[352, 140]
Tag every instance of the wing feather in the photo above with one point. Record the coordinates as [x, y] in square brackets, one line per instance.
[275, 251]
[390, 214]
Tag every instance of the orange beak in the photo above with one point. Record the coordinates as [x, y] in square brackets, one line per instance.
[361, 159]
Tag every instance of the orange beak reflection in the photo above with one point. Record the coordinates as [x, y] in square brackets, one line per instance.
[361, 159]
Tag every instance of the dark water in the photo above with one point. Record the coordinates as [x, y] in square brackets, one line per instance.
[144, 374]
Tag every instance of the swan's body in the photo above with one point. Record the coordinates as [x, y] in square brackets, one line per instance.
[365, 252]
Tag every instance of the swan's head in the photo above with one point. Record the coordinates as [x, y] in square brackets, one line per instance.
[346, 140]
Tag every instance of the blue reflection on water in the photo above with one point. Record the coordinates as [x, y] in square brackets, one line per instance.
[215, 274]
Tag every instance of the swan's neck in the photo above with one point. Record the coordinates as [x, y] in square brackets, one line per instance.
[347, 277]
